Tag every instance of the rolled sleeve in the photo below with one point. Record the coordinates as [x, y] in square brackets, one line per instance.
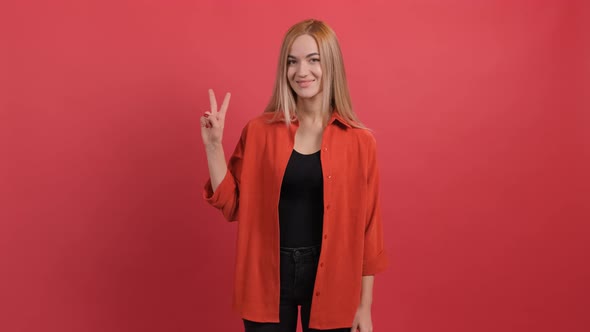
[226, 195]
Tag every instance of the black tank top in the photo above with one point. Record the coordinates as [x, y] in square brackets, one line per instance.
[301, 204]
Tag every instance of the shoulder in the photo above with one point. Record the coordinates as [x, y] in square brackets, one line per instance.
[260, 124]
[262, 120]
[364, 136]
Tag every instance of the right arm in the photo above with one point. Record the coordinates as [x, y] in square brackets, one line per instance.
[212, 124]
[217, 164]
[222, 189]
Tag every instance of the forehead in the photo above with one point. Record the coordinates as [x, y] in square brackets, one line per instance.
[303, 45]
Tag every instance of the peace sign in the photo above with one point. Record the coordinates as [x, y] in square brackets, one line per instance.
[213, 121]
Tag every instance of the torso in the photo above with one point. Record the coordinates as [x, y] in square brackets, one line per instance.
[350, 178]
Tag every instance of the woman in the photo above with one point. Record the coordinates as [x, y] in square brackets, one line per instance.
[303, 183]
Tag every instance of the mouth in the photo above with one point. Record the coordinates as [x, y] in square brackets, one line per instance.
[304, 84]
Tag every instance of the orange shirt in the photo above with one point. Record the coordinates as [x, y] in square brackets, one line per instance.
[352, 241]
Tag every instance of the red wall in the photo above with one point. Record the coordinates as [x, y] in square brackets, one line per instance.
[480, 108]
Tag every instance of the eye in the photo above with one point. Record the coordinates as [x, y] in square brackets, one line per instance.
[291, 62]
[314, 60]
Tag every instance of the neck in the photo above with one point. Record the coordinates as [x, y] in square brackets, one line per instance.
[310, 110]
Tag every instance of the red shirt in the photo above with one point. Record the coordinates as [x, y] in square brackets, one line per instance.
[352, 241]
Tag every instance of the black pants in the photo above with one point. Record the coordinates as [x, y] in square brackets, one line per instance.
[298, 270]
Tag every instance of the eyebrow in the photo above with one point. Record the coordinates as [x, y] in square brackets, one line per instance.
[307, 56]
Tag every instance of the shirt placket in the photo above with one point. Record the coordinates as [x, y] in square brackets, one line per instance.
[328, 178]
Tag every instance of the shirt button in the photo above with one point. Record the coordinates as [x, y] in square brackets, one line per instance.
[325, 149]
[328, 207]
[325, 236]
[329, 176]
[321, 264]
[317, 293]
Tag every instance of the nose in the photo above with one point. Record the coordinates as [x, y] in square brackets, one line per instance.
[302, 69]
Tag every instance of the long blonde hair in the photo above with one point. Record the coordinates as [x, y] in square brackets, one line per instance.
[336, 97]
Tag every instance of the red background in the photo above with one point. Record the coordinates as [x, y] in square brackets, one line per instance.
[480, 108]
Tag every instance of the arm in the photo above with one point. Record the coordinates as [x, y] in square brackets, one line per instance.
[362, 319]
[367, 291]
[222, 188]
[212, 124]
[225, 195]
[217, 164]
[374, 258]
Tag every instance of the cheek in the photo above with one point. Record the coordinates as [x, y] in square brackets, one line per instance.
[290, 72]
[318, 72]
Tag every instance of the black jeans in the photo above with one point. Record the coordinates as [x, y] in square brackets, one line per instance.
[298, 270]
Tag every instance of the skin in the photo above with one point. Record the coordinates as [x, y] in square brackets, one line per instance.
[304, 74]
[212, 123]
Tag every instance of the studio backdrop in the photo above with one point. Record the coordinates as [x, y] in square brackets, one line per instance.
[480, 110]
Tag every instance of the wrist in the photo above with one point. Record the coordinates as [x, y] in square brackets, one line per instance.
[212, 147]
[365, 305]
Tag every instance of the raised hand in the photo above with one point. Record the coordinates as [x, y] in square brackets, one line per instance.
[213, 121]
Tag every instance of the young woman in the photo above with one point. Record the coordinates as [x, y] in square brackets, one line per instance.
[303, 184]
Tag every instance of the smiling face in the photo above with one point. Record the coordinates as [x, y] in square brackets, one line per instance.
[304, 72]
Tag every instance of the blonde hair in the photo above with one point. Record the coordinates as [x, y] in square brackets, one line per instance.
[336, 97]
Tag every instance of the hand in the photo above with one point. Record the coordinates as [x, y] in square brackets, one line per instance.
[213, 121]
[362, 320]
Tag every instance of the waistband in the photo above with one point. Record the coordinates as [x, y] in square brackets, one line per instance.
[301, 250]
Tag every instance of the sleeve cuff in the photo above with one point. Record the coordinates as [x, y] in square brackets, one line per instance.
[376, 264]
[216, 197]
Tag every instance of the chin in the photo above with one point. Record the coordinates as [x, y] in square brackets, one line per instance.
[307, 94]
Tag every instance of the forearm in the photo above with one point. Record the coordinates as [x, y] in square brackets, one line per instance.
[367, 291]
[217, 164]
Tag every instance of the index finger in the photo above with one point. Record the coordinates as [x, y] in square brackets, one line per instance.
[212, 101]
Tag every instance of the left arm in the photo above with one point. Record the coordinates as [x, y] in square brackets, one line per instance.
[374, 257]
[367, 291]
[362, 318]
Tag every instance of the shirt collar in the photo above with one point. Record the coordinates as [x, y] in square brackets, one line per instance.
[336, 117]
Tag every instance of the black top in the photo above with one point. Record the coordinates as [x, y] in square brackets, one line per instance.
[301, 204]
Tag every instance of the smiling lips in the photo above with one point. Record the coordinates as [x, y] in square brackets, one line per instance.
[304, 84]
